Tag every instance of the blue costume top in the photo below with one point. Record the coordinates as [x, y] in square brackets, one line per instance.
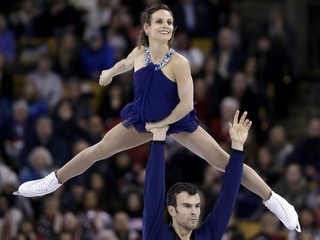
[155, 96]
[154, 225]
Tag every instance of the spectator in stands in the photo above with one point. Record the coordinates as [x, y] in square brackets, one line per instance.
[313, 202]
[202, 100]
[279, 145]
[293, 186]
[50, 222]
[79, 94]
[279, 30]
[192, 16]
[210, 187]
[40, 164]
[7, 40]
[66, 60]
[250, 70]
[65, 125]
[121, 227]
[135, 9]
[267, 167]
[210, 74]
[253, 102]
[308, 235]
[307, 151]
[10, 218]
[8, 177]
[22, 19]
[237, 26]
[108, 200]
[8, 182]
[96, 56]
[80, 181]
[92, 217]
[98, 15]
[283, 57]
[117, 34]
[308, 224]
[94, 129]
[219, 126]
[113, 100]
[229, 56]
[71, 224]
[37, 105]
[134, 208]
[27, 230]
[121, 173]
[183, 45]
[107, 235]
[15, 131]
[270, 228]
[45, 136]
[48, 82]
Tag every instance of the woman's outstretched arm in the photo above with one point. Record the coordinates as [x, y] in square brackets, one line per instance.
[122, 66]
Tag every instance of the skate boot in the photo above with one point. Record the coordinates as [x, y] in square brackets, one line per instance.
[40, 187]
[284, 211]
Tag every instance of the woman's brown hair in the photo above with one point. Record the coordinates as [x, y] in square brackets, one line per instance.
[146, 19]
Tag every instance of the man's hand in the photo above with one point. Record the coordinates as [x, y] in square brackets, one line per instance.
[150, 125]
[159, 134]
[238, 130]
[105, 78]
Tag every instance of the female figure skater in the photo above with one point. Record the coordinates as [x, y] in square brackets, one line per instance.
[163, 88]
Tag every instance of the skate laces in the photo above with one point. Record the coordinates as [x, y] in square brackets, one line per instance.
[43, 185]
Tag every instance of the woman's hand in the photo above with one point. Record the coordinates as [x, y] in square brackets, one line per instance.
[105, 78]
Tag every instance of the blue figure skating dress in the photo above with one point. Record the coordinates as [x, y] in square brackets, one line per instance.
[155, 96]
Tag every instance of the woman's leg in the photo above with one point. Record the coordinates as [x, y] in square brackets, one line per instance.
[116, 140]
[203, 145]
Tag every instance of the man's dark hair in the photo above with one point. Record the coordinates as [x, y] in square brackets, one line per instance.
[177, 188]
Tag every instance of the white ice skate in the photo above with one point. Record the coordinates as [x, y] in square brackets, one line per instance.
[284, 211]
[40, 187]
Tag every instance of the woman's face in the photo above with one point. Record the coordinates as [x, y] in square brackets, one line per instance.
[161, 27]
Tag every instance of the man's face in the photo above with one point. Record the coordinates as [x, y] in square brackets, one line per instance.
[187, 212]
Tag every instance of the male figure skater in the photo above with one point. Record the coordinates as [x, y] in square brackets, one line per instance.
[183, 200]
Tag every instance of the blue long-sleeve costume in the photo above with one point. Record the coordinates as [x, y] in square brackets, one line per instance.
[213, 227]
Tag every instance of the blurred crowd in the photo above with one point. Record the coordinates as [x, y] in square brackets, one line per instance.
[51, 107]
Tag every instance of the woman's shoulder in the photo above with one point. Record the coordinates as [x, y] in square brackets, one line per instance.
[179, 60]
[139, 50]
[177, 57]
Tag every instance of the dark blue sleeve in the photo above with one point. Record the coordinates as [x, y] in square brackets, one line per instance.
[154, 193]
[216, 222]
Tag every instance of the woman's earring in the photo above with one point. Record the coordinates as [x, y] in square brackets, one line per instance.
[147, 33]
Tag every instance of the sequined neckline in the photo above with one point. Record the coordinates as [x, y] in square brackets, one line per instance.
[163, 62]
